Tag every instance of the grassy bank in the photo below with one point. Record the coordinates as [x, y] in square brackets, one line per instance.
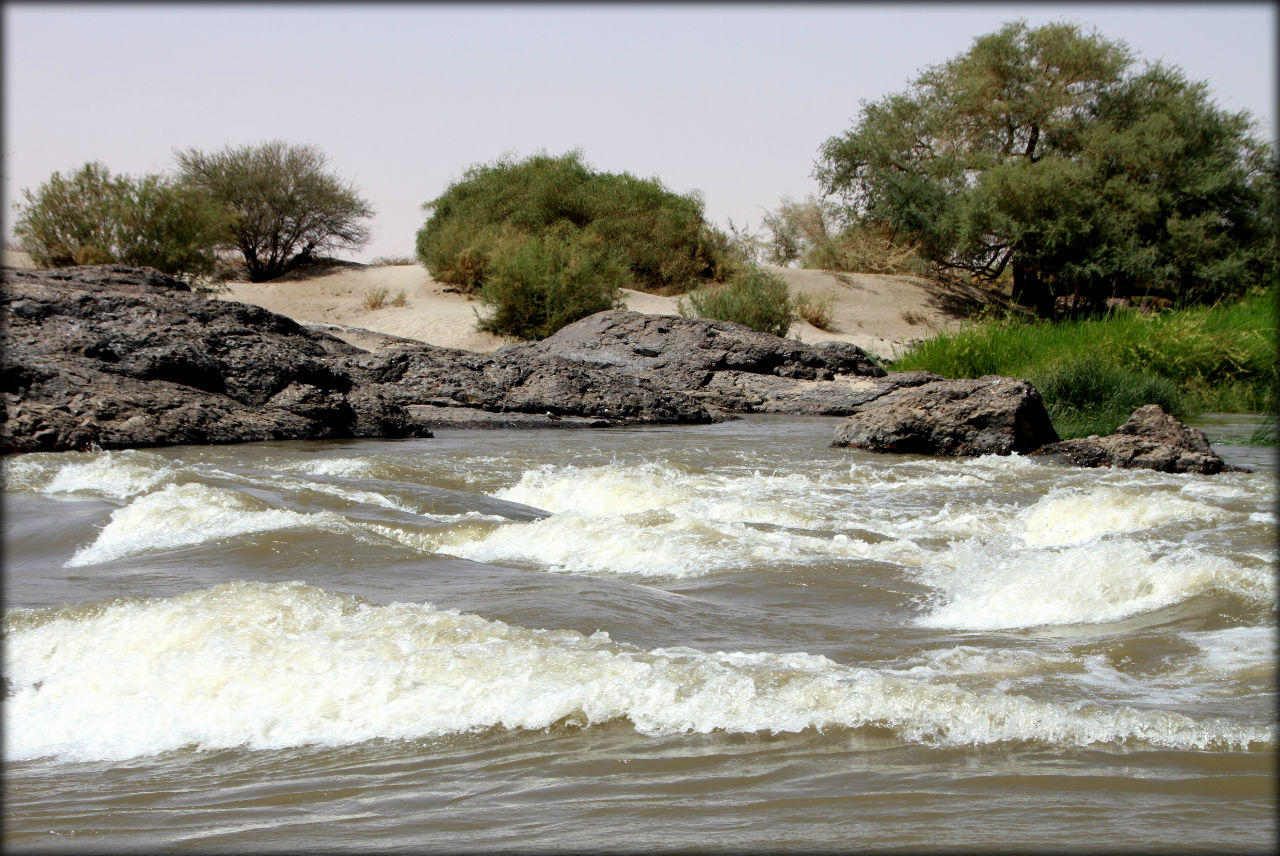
[1093, 373]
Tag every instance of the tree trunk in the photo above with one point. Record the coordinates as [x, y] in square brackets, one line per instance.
[1030, 290]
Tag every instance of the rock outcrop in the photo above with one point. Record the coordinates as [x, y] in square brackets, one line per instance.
[116, 357]
[728, 367]
[989, 416]
[1150, 439]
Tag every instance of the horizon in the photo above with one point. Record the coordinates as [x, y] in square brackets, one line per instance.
[731, 102]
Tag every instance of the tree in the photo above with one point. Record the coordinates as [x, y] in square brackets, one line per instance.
[660, 237]
[282, 208]
[93, 217]
[1046, 152]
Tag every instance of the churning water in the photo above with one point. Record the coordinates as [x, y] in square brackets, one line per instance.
[713, 637]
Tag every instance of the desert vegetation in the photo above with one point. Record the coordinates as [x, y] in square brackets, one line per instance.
[93, 217]
[272, 204]
[1093, 372]
[546, 238]
[281, 207]
[753, 296]
[1050, 153]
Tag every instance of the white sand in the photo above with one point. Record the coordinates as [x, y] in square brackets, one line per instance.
[882, 314]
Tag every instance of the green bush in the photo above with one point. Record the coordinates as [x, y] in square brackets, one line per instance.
[537, 284]
[754, 296]
[93, 217]
[660, 238]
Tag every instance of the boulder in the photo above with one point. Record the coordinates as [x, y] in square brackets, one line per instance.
[115, 357]
[992, 415]
[683, 351]
[1150, 439]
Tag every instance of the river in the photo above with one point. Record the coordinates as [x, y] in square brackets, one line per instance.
[725, 637]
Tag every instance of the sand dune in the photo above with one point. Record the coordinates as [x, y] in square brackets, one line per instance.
[882, 314]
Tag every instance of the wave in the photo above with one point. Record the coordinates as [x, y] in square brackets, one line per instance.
[266, 666]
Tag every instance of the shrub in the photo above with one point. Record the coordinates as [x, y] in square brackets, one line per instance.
[537, 284]
[93, 217]
[754, 296]
[375, 299]
[660, 238]
[867, 248]
[816, 309]
[284, 209]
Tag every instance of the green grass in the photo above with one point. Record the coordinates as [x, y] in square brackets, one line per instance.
[1093, 373]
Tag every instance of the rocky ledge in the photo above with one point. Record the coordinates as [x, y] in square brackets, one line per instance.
[115, 357]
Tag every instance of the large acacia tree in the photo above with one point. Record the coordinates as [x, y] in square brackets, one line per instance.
[282, 207]
[1051, 153]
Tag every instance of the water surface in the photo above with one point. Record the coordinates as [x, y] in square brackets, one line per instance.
[712, 637]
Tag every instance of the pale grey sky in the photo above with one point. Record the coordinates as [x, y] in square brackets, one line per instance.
[730, 100]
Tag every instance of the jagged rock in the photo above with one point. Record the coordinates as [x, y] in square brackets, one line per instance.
[116, 357]
[673, 347]
[990, 415]
[727, 367]
[1150, 439]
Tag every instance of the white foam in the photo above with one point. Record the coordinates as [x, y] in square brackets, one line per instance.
[1000, 583]
[273, 665]
[184, 515]
[1074, 516]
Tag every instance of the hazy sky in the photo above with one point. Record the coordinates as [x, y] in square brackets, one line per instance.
[730, 100]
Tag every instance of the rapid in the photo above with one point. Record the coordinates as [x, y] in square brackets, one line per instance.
[707, 637]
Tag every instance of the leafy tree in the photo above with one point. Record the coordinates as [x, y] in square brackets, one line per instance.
[660, 237]
[283, 209]
[93, 217]
[1048, 153]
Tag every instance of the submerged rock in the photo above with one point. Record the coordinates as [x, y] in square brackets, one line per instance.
[1150, 439]
[992, 415]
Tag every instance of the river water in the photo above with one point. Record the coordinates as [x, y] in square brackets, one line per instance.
[714, 638]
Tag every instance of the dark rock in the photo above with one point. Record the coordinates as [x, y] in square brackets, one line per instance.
[727, 367]
[1150, 439]
[990, 415]
[678, 348]
[116, 357]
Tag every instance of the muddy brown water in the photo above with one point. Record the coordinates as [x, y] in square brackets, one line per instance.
[713, 637]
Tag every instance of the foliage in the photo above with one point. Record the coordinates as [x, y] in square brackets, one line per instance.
[1086, 396]
[754, 296]
[283, 209]
[1046, 152]
[1220, 358]
[93, 217]
[393, 261]
[534, 285]
[660, 237]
